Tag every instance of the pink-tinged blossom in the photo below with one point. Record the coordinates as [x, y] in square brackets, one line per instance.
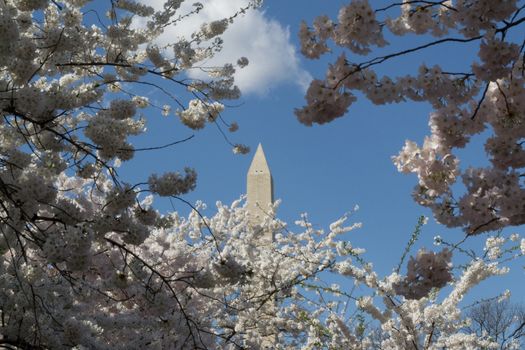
[426, 271]
[487, 95]
[326, 103]
[173, 183]
[199, 112]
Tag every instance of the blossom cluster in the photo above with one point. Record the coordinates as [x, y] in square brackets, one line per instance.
[87, 263]
[487, 97]
[70, 271]
[426, 271]
[173, 184]
[208, 282]
[199, 112]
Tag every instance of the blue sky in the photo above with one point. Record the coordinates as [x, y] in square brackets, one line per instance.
[323, 170]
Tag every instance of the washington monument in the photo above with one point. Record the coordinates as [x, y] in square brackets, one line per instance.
[259, 190]
[260, 197]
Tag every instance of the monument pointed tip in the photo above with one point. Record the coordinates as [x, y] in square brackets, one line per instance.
[259, 164]
[259, 150]
[259, 188]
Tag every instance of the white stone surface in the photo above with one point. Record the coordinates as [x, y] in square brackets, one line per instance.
[259, 188]
[260, 198]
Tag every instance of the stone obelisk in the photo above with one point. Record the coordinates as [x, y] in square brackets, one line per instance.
[259, 190]
[260, 198]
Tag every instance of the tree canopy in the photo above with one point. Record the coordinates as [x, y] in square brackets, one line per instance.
[87, 262]
[487, 96]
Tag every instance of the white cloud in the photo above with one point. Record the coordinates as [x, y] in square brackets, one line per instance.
[265, 42]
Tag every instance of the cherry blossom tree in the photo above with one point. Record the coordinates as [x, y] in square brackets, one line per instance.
[488, 96]
[70, 72]
[410, 311]
[86, 262]
[207, 282]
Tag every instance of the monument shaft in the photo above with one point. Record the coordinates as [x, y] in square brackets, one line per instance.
[259, 189]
